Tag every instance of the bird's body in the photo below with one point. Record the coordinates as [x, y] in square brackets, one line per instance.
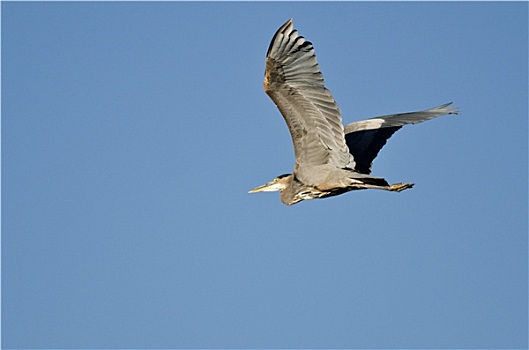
[330, 159]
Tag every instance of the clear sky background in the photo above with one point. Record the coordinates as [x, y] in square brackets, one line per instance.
[131, 133]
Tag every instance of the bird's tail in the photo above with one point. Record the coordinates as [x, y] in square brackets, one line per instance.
[369, 179]
[375, 181]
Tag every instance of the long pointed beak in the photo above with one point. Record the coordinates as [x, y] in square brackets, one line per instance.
[268, 187]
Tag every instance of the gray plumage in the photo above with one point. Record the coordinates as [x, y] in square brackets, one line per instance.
[330, 159]
[365, 138]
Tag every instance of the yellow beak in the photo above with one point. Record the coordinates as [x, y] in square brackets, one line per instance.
[272, 186]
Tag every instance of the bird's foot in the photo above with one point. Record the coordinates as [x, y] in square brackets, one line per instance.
[399, 187]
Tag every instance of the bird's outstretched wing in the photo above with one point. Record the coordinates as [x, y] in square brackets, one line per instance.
[294, 82]
[367, 137]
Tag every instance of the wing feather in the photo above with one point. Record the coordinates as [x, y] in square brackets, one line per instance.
[294, 82]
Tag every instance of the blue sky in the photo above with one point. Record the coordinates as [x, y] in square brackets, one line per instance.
[131, 133]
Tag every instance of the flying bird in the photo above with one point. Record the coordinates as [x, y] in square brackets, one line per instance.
[330, 159]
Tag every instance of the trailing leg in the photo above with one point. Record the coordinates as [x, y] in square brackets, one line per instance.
[399, 187]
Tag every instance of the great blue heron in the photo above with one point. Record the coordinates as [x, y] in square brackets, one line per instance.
[330, 159]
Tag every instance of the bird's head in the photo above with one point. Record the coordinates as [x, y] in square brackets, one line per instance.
[277, 184]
